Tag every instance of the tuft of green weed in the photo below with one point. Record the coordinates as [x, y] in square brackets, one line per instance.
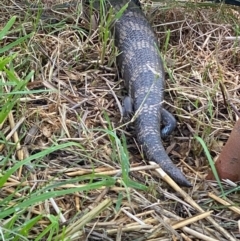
[119, 146]
[13, 209]
[11, 86]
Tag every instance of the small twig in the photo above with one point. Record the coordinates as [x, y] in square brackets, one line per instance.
[112, 172]
[198, 235]
[227, 101]
[191, 220]
[232, 38]
[14, 128]
[133, 217]
[56, 208]
[226, 203]
[188, 199]
[15, 136]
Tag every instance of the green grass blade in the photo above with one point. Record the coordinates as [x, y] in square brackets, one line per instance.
[15, 43]
[26, 227]
[41, 154]
[211, 162]
[9, 24]
[12, 98]
[54, 226]
[4, 61]
[34, 199]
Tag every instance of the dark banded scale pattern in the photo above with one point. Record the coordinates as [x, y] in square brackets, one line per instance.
[142, 69]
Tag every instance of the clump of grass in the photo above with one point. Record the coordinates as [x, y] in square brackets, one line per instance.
[9, 80]
[75, 178]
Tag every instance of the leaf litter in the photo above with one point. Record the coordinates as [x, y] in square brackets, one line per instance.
[77, 66]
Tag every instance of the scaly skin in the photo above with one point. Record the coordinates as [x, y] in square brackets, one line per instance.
[142, 69]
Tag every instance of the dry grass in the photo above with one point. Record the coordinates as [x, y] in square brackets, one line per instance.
[78, 68]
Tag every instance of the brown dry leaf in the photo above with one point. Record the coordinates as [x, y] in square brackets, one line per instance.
[47, 132]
